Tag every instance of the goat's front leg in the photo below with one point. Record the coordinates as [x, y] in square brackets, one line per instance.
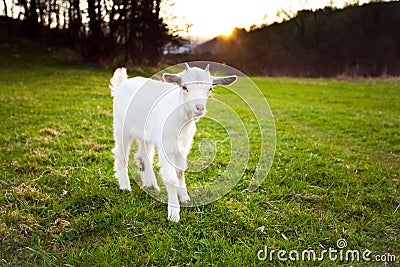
[168, 174]
[180, 163]
[173, 203]
[181, 159]
[182, 191]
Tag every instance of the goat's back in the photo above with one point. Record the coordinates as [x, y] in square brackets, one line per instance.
[143, 104]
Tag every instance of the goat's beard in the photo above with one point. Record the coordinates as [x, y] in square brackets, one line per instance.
[198, 116]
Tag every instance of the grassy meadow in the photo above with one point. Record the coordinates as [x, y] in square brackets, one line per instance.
[335, 176]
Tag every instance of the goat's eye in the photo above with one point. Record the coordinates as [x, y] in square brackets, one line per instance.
[185, 89]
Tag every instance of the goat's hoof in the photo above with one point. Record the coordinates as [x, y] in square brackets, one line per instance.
[125, 187]
[150, 184]
[153, 186]
[173, 214]
[185, 198]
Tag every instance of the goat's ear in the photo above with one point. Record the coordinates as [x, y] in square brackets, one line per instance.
[207, 68]
[171, 78]
[228, 80]
[187, 67]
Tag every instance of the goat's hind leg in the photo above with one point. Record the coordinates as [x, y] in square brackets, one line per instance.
[144, 157]
[121, 154]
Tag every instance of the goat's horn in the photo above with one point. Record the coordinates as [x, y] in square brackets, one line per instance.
[187, 67]
[207, 68]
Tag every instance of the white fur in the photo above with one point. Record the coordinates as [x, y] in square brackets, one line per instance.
[161, 114]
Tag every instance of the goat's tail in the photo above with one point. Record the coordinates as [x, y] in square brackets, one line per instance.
[118, 77]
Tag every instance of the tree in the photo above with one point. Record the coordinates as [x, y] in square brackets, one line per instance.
[132, 29]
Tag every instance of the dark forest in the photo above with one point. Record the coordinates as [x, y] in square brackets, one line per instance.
[129, 31]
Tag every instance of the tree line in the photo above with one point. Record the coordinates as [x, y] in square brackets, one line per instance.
[101, 30]
[356, 41]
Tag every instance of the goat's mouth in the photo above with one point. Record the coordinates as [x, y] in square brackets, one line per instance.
[198, 113]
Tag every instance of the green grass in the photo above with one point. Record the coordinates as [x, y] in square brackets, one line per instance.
[335, 175]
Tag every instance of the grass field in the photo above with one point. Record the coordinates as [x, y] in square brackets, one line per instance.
[335, 176]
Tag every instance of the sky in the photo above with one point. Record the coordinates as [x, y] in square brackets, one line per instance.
[210, 18]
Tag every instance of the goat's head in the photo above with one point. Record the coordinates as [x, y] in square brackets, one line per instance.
[196, 85]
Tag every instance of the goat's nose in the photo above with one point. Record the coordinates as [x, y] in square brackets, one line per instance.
[200, 107]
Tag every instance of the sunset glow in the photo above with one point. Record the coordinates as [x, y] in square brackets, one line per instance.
[210, 18]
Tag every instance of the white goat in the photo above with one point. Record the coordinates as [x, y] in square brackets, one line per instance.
[162, 114]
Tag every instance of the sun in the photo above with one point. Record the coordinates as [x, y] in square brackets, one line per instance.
[212, 30]
[229, 33]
